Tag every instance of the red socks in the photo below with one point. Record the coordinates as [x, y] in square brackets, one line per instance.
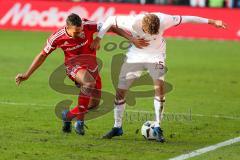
[79, 110]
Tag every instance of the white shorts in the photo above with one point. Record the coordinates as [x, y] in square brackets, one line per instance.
[131, 71]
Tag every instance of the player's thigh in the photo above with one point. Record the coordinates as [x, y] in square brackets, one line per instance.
[157, 71]
[83, 77]
[129, 72]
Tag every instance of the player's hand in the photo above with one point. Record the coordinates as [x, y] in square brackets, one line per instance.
[139, 43]
[219, 24]
[21, 77]
[95, 45]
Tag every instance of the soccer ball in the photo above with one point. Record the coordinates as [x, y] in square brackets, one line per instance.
[147, 130]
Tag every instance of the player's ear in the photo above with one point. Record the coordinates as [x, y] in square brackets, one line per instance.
[68, 27]
[81, 27]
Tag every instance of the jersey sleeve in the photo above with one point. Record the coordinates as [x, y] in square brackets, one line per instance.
[93, 26]
[50, 45]
[194, 19]
[123, 22]
[168, 21]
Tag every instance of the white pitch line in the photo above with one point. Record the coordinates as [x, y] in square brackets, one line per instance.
[128, 110]
[206, 149]
[25, 104]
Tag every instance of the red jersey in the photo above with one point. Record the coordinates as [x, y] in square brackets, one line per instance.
[77, 50]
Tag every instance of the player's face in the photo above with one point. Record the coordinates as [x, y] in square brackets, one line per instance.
[74, 31]
[147, 32]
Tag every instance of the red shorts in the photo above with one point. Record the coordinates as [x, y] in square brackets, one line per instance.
[72, 72]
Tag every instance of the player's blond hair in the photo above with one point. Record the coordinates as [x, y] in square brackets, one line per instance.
[151, 24]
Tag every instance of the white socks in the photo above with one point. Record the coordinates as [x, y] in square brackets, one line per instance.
[119, 108]
[158, 106]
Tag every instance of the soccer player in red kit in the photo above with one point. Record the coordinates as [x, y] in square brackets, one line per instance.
[81, 66]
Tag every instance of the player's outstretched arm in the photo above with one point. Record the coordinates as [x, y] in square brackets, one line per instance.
[38, 60]
[195, 19]
[139, 43]
[120, 32]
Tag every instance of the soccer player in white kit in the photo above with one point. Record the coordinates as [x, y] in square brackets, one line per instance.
[149, 27]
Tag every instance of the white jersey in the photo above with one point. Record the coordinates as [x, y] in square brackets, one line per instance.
[156, 51]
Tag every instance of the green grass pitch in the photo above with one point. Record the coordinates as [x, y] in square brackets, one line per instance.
[202, 108]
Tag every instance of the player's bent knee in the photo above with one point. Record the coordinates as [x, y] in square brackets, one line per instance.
[88, 89]
[91, 84]
[120, 94]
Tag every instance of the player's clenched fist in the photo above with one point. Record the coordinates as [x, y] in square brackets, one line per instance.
[218, 23]
[139, 43]
[21, 77]
[95, 45]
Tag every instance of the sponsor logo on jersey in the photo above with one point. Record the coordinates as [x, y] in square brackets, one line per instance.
[77, 46]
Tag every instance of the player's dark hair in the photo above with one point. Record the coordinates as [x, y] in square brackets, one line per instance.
[151, 24]
[74, 20]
